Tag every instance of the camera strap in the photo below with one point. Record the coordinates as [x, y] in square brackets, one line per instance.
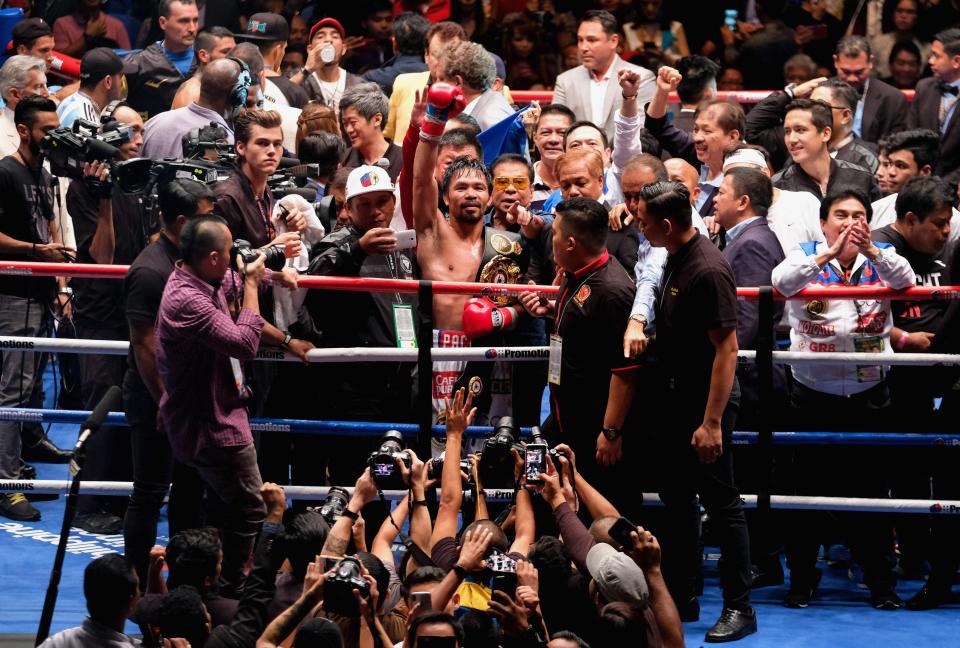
[412, 547]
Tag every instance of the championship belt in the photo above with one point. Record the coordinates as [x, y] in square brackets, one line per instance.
[502, 258]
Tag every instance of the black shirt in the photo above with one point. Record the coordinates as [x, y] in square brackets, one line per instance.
[25, 214]
[394, 154]
[698, 295]
[98, 301]
[142, 290]
[247, 217]
[931, 270]
[591, 317]
[296, 96]
[624, 245]
[843, 175]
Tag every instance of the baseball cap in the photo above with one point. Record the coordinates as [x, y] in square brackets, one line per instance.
[266, 27]
[101, 62]
[498, 64]
[30, 29]
[327, 22]
[366, 179]
[618, 578]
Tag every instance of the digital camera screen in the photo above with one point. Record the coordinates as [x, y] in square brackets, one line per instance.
[383, 469]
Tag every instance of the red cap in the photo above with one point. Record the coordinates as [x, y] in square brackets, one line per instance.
[327, 22]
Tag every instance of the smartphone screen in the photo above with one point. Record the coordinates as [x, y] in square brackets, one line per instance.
[620, 531]
[534, 462]
[505, 582]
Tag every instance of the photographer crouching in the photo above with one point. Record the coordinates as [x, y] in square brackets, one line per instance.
[200, 348]
[111, 226]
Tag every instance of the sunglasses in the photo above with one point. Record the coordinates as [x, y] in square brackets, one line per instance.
[502, 182]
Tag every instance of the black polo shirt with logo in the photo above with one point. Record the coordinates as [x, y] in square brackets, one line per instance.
[591, 316]
[698, 294]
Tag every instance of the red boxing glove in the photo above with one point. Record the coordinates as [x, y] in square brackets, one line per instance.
[444, 101]
[481, 316]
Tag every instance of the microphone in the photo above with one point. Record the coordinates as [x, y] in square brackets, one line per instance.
[112, 400]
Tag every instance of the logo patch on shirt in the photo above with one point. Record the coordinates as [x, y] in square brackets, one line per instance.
[475, 386]
[815, 308]
[582, 295]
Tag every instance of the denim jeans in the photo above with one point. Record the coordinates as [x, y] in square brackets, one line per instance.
[25, 318]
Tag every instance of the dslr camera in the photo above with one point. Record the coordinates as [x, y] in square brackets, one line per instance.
[383, 462]
[335, 504]
[275, 258]
[496, 462]
[338, 588]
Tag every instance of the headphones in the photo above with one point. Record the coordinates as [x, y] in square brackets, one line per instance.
[238, 96]
[107, 115]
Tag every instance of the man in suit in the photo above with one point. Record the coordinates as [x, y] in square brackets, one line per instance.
[591, 90]
[470, 67]
[753, 251]
[935, 104]
[882, 108]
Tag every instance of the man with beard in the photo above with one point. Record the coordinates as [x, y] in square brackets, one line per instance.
[458, 249]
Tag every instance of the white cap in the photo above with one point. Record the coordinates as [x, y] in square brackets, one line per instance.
[753, 157]
[617, 576]
[366, 179]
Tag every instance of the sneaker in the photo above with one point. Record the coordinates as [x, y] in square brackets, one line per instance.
[732, 625]
[16, 507]
[802, 590]
[99, 522]
[885, 599]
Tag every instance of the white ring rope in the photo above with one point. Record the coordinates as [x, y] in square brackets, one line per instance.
[472, 354]
[786, 502]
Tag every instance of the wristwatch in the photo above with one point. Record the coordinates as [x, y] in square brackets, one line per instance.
[286, 340]
[66, 290]
[639, 318]
[789, 88]
[611, 434]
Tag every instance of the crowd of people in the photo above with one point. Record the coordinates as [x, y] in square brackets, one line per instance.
[242, 148]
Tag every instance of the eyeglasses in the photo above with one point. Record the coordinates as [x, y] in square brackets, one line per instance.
[502, 182]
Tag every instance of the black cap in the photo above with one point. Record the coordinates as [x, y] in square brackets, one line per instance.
[30, 29]
[98, 63]
[266, 27]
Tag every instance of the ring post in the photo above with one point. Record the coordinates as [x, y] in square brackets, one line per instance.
[425, 368]
[765, 341]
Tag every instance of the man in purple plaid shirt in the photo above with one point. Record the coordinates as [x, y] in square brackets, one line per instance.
[200, 348]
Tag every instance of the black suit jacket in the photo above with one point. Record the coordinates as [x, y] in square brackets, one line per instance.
[884, 110]
[753, 255]
[925, 113]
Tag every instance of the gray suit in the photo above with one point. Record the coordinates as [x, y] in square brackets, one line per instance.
[573, 91]
[491, 108]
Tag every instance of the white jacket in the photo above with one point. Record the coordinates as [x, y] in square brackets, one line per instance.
[821, 325]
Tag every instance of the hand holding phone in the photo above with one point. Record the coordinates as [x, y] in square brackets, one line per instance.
[423, 601]
[620, 532]
[534, 462]
[406, 239]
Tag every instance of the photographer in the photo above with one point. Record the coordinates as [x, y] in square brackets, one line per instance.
[153, 466]
[28, 231]
[111, 227]
[101, 81]
[199, 350]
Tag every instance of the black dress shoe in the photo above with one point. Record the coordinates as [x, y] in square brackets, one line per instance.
[929, 597]
[99, 522]
[45, 451]
[732, 625]
[689, 611]
[766, 574]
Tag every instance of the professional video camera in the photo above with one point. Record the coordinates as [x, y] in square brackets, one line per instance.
[536, 436]
[210, 142]
[291, 178]
[496, 461]
[275, 258]
[68, 149]
[383, 462]
[335, 504]
[338, 588]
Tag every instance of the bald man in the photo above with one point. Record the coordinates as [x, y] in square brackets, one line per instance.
[681, 171]
[163, 134]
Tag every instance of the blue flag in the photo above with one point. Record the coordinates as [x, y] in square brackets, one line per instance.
[506, 136]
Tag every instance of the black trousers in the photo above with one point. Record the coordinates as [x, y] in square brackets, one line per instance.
[153, 471]
[108, 451]
[683, 478]
[838, 471]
